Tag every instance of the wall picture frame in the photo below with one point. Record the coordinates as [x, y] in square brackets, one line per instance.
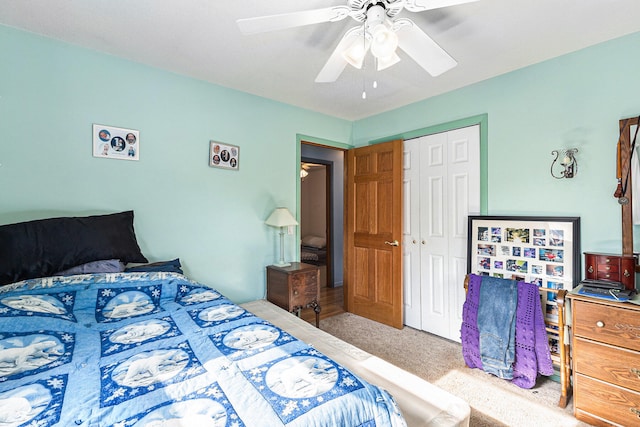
[225, 156]
[112, 142]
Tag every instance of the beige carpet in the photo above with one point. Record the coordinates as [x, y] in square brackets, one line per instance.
[494, 402]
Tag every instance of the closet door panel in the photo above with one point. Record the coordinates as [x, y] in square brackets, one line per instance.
[411, 238]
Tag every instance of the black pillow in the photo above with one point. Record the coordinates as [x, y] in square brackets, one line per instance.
[172, 266]
[43, 247]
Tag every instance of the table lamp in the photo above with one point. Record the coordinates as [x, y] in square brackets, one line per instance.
[281, 217]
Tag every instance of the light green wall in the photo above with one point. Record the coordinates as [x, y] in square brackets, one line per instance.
[50, 95]
[572, 101]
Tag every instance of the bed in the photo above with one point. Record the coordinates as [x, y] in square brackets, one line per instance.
[152, 349]
[147, 346]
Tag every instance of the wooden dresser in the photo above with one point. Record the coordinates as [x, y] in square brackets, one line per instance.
[617, 268]
[295, 287]
[606, 361]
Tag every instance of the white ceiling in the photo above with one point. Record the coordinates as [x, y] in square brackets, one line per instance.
[200, 38]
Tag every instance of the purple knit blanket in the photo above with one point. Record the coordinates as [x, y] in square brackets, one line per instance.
[532, 355]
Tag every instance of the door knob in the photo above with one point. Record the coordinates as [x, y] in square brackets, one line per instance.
[394, 243]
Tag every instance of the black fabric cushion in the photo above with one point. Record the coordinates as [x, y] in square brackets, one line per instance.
[172, 266]
[102, 266]
[43, 247]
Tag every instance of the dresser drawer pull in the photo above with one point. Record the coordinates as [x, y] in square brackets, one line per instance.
[635, 411]
[590, 269]
[635, 371]
[626, 273]
[295, 292]
[600, 324]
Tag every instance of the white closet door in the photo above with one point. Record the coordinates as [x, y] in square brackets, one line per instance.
[438, 200]
[411, 234]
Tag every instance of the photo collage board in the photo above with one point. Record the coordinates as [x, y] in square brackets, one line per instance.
[540, 250]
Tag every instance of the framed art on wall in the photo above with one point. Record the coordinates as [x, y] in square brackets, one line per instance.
[116, 143]
[224, 156]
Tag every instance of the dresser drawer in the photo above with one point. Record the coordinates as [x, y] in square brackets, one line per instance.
[607, 323]
[604, 362]
[610, 402]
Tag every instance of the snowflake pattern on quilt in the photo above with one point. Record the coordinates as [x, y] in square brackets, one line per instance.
[247, 340]
[218, 314]
[297, 384]
[147, 371]
[55, 304]
[136, 334]
[35, 404]
[190, 295]
[208, 406]
[114, 304]
[23, 354]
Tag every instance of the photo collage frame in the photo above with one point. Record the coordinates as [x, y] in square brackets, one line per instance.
[540, 250]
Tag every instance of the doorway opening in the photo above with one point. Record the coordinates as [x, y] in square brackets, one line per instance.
[321, 220]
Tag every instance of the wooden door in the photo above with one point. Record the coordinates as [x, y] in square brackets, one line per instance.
[373, 261]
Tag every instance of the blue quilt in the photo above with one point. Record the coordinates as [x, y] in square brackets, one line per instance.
[156, 349]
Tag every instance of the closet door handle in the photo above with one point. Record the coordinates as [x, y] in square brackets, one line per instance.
[394, 243]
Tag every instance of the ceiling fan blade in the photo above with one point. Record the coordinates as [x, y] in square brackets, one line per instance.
[263, 24]
[336, 62]
[422, 49]
[422, 5]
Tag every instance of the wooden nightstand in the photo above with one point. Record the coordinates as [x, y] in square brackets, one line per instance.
[295, 287]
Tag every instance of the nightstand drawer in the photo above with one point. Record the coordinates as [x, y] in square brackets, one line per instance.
[610, 402]
[303, 288]
[615, 365]
[608, 324]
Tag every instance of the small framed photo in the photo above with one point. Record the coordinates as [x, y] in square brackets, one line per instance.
[116, 143]
[224, 156]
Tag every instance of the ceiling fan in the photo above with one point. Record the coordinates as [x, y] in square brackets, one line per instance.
[380, 32]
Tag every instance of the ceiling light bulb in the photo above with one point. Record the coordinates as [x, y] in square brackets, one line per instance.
[355, 53]
[383, 63]
[385, 42]
[375, 84]
[364, 95]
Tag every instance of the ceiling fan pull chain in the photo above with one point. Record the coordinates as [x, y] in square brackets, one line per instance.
[364, 61]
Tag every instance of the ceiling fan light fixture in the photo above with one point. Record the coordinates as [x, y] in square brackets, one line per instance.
[356, 52]
[384, 63]
[384, 43]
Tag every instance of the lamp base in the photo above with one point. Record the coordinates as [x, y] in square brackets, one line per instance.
[282, 264]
